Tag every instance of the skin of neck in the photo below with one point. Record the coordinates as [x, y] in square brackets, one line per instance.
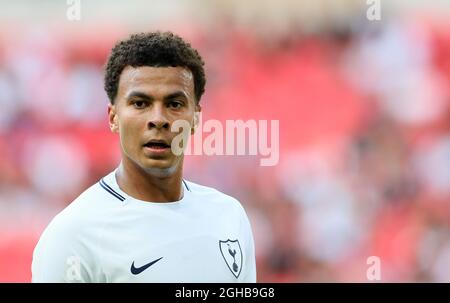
[151, 184]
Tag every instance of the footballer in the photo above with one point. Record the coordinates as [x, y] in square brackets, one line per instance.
[143, 222]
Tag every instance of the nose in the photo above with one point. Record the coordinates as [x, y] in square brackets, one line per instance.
[158, 118]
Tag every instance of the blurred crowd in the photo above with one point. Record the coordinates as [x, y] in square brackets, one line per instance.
[364, 167]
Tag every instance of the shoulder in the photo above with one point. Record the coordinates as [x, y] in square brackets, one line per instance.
[83, 213]
[202, 190]
[215, 196]
[72, 233]
[89, 203]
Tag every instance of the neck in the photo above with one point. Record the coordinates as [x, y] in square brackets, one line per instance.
[149, 185]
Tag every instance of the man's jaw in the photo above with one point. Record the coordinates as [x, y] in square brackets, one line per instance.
[164, 172]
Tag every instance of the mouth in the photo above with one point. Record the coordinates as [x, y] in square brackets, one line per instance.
[157, 145]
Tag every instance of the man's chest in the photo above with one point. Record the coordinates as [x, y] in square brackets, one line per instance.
[191, 251]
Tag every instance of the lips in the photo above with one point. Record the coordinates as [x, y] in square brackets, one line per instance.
[157, 144]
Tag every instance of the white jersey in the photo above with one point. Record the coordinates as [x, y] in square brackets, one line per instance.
[107, 236]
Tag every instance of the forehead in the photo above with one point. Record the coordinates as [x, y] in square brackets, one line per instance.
[156, 81]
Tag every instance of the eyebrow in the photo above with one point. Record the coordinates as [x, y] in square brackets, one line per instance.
[176, 95]
[148, 97]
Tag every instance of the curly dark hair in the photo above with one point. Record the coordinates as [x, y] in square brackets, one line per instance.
[158, 49]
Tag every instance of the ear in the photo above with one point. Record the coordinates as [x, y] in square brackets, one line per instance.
[113, 119]
[195, 123]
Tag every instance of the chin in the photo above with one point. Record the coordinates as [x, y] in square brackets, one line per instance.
[161, 172]
[160, 167]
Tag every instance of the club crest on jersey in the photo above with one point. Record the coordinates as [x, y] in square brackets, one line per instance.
[232, 254]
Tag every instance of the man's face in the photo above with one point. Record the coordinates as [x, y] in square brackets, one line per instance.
[148, 101]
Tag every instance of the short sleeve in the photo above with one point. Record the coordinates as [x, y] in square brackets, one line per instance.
[60, 256]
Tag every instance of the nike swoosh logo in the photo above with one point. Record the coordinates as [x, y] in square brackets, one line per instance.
[137, 271]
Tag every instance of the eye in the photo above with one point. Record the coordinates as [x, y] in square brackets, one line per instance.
[175, 104]
[139, 104]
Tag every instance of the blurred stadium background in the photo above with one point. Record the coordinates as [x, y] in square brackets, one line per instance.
[364, 111]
